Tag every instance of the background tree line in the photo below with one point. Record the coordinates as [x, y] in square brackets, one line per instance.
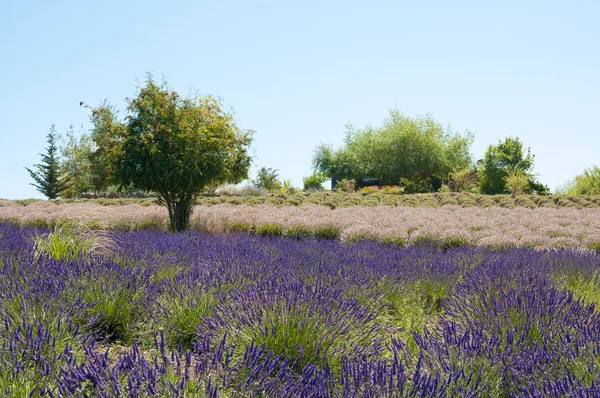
[421, 155]
[176, 147]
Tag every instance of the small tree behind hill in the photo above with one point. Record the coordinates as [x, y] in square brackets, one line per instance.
[47, 176]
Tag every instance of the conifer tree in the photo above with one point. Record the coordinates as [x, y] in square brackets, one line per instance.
[47, 174]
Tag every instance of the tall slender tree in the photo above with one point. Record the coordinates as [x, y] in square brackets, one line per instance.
[47, 173]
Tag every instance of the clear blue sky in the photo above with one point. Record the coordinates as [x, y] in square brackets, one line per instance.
[297, 72]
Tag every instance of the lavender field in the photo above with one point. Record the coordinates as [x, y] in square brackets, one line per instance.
[239, 315]
[543, 227]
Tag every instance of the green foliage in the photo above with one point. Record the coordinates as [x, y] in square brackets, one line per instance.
[393, 240]
[267, 178]
[360, 237]
[401, 148]
[586, 287]
[239, 227]
[114, 310]
[170, 145]
[594, 246]
[298, 231]
[314, 181]
[345, 185]
[76, 164]
[327, 232]
[411, 308]
[269, 229]
[587, 183]
[450, 242]
[506, 157]
[47, 176]
[538, 187]
[516, 181]
[463, 179]
[182, 315]
[292, 201]
[72, 241]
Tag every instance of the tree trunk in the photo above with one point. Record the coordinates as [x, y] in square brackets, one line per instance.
[179, 215]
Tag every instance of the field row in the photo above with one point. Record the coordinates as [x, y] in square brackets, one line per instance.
[335, 200]
[493, 226]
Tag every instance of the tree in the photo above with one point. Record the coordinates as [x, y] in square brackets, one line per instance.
[267, 178]
[587, 183]
[499, 160]
[517, 182]
[314, 181]
[172, 146]
[462, 179]
[47, 178]
[76, 164]
[415, 150]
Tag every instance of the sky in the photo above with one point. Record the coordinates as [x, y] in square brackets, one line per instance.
[297, 72]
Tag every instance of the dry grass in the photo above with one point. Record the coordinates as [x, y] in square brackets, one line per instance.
[496, 226]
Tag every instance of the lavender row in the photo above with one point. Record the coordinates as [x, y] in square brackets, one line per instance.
[491, 226]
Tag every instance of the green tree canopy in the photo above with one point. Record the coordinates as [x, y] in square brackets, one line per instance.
[587, 183]
[47, 175]
[76, 163]
[172, 146]
[267, 178]
[508, 155]
[402, 148]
